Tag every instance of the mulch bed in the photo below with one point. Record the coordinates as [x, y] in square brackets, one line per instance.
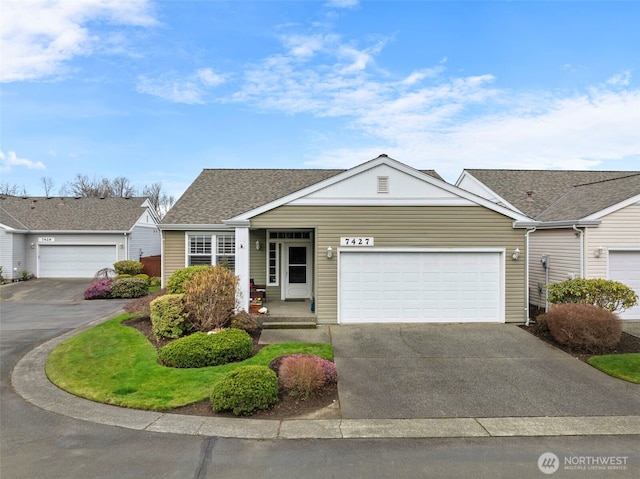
[286, 407]
[628, 344]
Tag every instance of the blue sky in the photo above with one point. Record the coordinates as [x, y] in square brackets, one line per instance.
[158, 90]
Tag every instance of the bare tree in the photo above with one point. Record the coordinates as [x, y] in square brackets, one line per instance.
[47, 185]
[121, 187]
[12, 190]
[159, 200]
[83, 186]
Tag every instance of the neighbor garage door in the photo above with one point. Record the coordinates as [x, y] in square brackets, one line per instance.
[75, 261]
[624, 266]
[378, 287]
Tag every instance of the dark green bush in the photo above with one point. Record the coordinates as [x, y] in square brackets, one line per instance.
[541, 323]
[604, 293]
[200, 349]
[128, 267]
[181, 276]
[585, 326]
[129, 288]
[245, 321]
[245, 390]
[168, 317]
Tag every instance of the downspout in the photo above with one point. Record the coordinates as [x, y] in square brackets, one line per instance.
[126, 246]
[581, 235]
[526, 281]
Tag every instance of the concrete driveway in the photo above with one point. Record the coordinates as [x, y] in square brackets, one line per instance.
[467, 370]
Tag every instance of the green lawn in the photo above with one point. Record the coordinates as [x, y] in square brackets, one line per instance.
[115, 364]
[622, 366]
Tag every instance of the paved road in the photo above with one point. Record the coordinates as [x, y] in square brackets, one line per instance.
[35, 443]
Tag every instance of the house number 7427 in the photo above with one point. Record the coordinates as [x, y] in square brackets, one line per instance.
[356, 241]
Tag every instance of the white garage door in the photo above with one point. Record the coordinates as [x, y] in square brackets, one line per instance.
[75, 261]
[378, 287]
[624, 266]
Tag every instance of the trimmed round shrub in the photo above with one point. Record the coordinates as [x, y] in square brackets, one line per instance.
[142, 276]
[329, 367]
[129, 267]
[604, 293]
[181, 276]
[168, 317]
[301, 376]
[581, 325]
[155, 281]
[200, 350]
[245, 390]
[541, 323]
[100, 289]
[129, 288]
[123, 276]
[245, 321]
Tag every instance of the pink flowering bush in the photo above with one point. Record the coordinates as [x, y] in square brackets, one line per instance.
[328, 367]
[100, 289]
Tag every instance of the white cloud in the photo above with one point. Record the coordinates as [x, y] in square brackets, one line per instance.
[190, 89]
[342, 3]
[8, 161]
[621, 79]
[39, 36]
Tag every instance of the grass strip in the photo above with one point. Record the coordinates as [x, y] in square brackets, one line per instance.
[621, 366]
[115, 364]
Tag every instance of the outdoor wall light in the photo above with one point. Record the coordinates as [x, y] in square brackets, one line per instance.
[33, 246]
[329, 252]
[599, 251]
[121, 245]
[258, 245]
[516, 254]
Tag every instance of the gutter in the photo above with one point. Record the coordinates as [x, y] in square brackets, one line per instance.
[541, 225]
[526, 281]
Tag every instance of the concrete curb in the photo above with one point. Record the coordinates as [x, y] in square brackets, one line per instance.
[30, 381]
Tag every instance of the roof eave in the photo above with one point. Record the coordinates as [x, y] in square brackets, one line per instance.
[191, 227]
[542, 225]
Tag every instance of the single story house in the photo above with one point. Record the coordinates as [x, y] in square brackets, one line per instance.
[380, 242]
[67, 237]
[587, 223]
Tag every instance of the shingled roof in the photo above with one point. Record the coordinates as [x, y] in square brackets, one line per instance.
[70, 214]
[584, 200]
[219, 194]
[535, 191]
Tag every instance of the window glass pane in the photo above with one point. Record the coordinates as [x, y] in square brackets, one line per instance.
[298, 255]
[297, 274]
[200, 244]
[198, 260]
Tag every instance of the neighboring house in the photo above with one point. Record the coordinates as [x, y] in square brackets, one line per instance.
[66, 237]
[587, 223]
[380, 242]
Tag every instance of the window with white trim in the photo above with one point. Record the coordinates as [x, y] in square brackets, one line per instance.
[273, 263]
[200, 250]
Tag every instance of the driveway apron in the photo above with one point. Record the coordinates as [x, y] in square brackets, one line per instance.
[467, 370]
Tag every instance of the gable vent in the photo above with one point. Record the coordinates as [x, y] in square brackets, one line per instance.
[383, 184]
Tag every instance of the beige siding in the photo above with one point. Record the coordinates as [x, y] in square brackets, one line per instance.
[173, 254]
[562, 246]
[620, 229]
[424, 227]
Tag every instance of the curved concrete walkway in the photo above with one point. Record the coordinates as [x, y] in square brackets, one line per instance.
[29, 380]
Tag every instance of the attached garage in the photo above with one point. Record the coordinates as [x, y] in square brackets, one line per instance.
[624, 266]
[421, 286]
[74, 261]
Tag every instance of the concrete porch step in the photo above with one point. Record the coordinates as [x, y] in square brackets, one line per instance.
[288, 322]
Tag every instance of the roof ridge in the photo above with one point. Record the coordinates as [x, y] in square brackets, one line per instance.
[606, 180]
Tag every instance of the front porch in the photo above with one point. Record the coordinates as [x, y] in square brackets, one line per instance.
[288, 315]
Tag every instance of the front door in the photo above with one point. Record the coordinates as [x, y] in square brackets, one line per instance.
[297, 271]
